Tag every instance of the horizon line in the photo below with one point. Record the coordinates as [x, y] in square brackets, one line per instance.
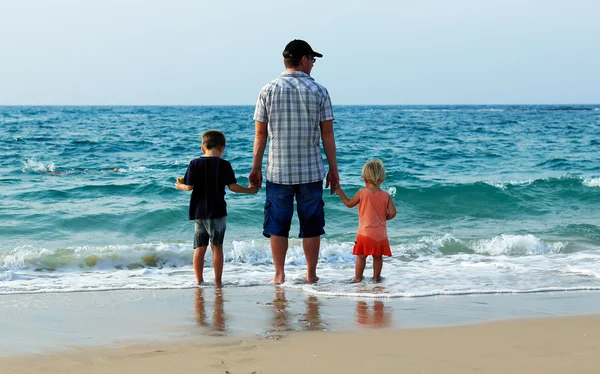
[251, 105]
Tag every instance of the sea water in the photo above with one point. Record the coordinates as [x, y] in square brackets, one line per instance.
[490, 199]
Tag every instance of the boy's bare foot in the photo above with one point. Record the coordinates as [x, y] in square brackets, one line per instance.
[217, 284]
[200, 281]
[378, 280]
[314, 279]
[356, 280]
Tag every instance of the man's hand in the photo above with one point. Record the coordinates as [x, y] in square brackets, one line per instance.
[333, 180]
[255, 178]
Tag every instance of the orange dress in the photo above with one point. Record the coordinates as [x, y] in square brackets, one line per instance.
[372, 239]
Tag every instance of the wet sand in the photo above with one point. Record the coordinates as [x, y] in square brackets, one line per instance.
[282, 330]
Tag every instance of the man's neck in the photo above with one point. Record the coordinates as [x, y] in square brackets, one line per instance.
[289, 70]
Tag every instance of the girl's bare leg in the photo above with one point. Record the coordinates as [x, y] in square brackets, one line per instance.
[377, 265]
[361, 262]
[198, 262]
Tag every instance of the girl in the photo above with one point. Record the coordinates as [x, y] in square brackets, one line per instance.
[375, 207]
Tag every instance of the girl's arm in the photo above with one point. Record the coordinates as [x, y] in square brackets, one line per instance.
[348, 202]
[391, 209]
[240, 189]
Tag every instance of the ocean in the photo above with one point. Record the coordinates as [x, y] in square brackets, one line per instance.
[490, 199]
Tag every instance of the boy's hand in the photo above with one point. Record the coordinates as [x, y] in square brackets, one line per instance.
[339, 191]
[179, 180]
[254, 189]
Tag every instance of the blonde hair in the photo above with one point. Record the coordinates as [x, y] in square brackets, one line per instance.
[374, 171]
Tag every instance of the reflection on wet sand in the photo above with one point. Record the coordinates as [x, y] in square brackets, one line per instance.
[376, 316]
[313, 320]
[218, 316]
[287, 318]
[281, 317]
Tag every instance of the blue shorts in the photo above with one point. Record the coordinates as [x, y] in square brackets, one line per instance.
[279, 209]
[212, 229]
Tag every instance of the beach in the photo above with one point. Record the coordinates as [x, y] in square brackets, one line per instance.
[282, 330]
[495, 265]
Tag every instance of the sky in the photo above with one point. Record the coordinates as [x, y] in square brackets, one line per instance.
[375, 52]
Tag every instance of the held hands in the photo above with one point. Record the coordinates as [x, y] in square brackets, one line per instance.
[255, 178]
[253, 189]
[333, 180]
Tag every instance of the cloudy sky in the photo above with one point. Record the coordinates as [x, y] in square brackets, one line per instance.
[200, 52]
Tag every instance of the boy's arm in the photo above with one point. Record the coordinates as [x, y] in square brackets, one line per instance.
[391, 209]
[183, 187]
[350, 203]
[241, 189]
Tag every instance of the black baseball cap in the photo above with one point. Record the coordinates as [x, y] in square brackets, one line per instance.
[299, 48]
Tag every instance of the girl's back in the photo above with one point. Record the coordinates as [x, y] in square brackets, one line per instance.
[372, 212]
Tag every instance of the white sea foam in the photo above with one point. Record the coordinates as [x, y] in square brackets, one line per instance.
[420, 267]
[504, 185]
[33, 165]
[515, 245]
[592, 182]
[585, 272]
[135, 169]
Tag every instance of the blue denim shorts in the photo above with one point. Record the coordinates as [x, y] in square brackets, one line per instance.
[212, 229]
[279, 209]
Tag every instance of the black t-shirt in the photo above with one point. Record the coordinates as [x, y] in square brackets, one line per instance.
[209, 176]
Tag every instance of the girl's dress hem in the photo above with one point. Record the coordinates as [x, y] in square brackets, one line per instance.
[367, 246]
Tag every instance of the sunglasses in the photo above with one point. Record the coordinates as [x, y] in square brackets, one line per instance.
[314, 60]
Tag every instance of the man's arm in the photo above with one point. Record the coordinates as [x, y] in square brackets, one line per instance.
[333, 176]
[260, 144]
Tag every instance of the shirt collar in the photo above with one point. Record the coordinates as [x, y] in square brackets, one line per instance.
[297, 74]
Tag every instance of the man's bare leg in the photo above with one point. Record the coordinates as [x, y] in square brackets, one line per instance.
[311, 253]
[198, 262]
[279, 247]
[217, 259]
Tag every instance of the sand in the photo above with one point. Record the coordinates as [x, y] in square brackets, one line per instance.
[545, 345]
[275, 331]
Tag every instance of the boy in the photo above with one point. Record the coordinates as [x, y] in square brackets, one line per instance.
[207, 177]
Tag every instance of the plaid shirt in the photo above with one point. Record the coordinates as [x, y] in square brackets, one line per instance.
[293, 106]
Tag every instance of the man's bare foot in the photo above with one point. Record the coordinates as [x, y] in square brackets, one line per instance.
[310, 280]
[200, 282]
[277, 280]
[356, 280]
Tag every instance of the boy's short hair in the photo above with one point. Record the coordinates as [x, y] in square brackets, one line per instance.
[374, 171]
[212, 139]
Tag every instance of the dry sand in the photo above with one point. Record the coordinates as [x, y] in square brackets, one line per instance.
[540, 345]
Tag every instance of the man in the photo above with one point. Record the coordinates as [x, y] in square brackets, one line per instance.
[295, 113]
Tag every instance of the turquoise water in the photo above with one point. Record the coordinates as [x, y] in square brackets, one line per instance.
[490, 199]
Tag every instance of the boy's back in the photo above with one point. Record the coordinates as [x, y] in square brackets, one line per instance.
[209, 176]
